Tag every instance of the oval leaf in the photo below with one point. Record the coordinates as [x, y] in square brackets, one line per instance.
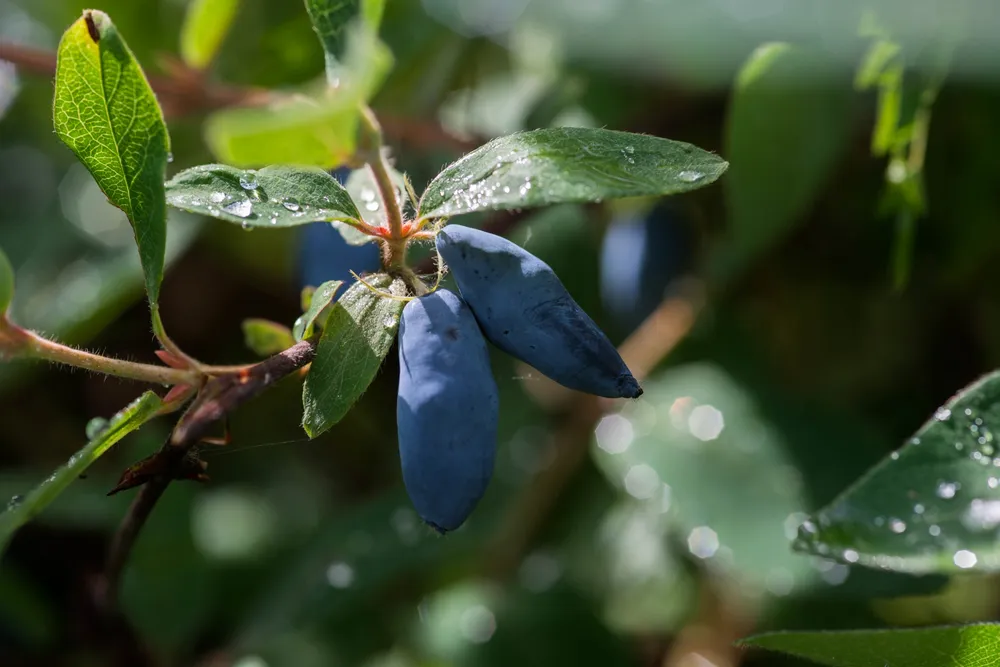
[567, 165]
[21, 510]
[932, 506]
[265, 337]
[320, 300]
[6, 283]
[205, 26]
[357, 336]
[957, 646]
[275, 196]
[106, 113]
[787, 127]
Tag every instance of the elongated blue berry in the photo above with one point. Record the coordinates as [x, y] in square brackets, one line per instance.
[446, 412]
[523, 309]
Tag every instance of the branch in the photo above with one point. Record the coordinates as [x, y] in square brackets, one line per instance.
[177, 458]
[185, 91]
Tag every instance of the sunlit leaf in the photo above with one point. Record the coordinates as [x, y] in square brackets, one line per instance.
[788, 122]
[933, 505]
[317, 310]
[21, 510]
[265, 337]
[567, 165]
[955, 646]
[107, 114]
[358, 334]
[6, 283]
[205, 26]
[271, 197]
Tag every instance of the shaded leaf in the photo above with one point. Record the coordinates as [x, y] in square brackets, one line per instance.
[205, 26]
[330, 19]
[20, 511]
[698, 447]
[6, 283]
[357, 336]
[265, 337]
[567, 165]
[317, 312]
[956, 646]
[107, 114]
[275, 196]
[932, 506]
[787, 127]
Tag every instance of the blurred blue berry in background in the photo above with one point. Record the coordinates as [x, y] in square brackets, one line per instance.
[642, 254]
[323, 254]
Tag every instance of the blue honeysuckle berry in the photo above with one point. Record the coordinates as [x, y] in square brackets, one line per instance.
[523, 308]
[324, 255]
[446, 410]
[641, 255]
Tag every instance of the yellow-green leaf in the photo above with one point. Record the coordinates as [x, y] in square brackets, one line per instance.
[6, 283]
[105, 111]
[205, 26]
[265, 337]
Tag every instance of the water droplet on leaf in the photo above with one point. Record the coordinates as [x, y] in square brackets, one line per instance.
[241, 208]
[218, 197]
[689, 176]
[95, 426]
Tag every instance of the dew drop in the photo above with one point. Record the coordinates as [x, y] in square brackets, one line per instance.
[689, 176]
[851, 556]
[248, 181]
[943, 414]
[965, 559]
[95, 426]
[371, 206]
[14, 502]
[934, 530]
[170, 158]
[367, 194]
[947, 490]
[630, 150]
[240, 208]
[897, 526]
[389, 322]
[218, 197]
[246, 226]
[291, 205]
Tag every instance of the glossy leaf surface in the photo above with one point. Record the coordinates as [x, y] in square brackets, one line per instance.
[567, 165]
[956, 646]
[276, 196]
[931, 506]
[357, 336]
[107, 114]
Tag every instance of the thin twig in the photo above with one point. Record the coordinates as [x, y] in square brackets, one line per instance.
[219, 397]
[185, 92]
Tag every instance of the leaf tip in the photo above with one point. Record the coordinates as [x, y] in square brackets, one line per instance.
[92, 17]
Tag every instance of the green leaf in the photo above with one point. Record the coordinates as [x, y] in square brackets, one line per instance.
[956, 646]
[330, 19]
[6, 283]
[357, 336]
[275, 196]
[933, 505]
[318, 130]
[319, 133]
[699, 447]
[320, 300]
[265, 337]
[107, 114]
[205, 26]
[789, 118]
[20, 511]
[567, 165]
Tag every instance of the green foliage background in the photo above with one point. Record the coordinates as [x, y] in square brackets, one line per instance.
[843, 307]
